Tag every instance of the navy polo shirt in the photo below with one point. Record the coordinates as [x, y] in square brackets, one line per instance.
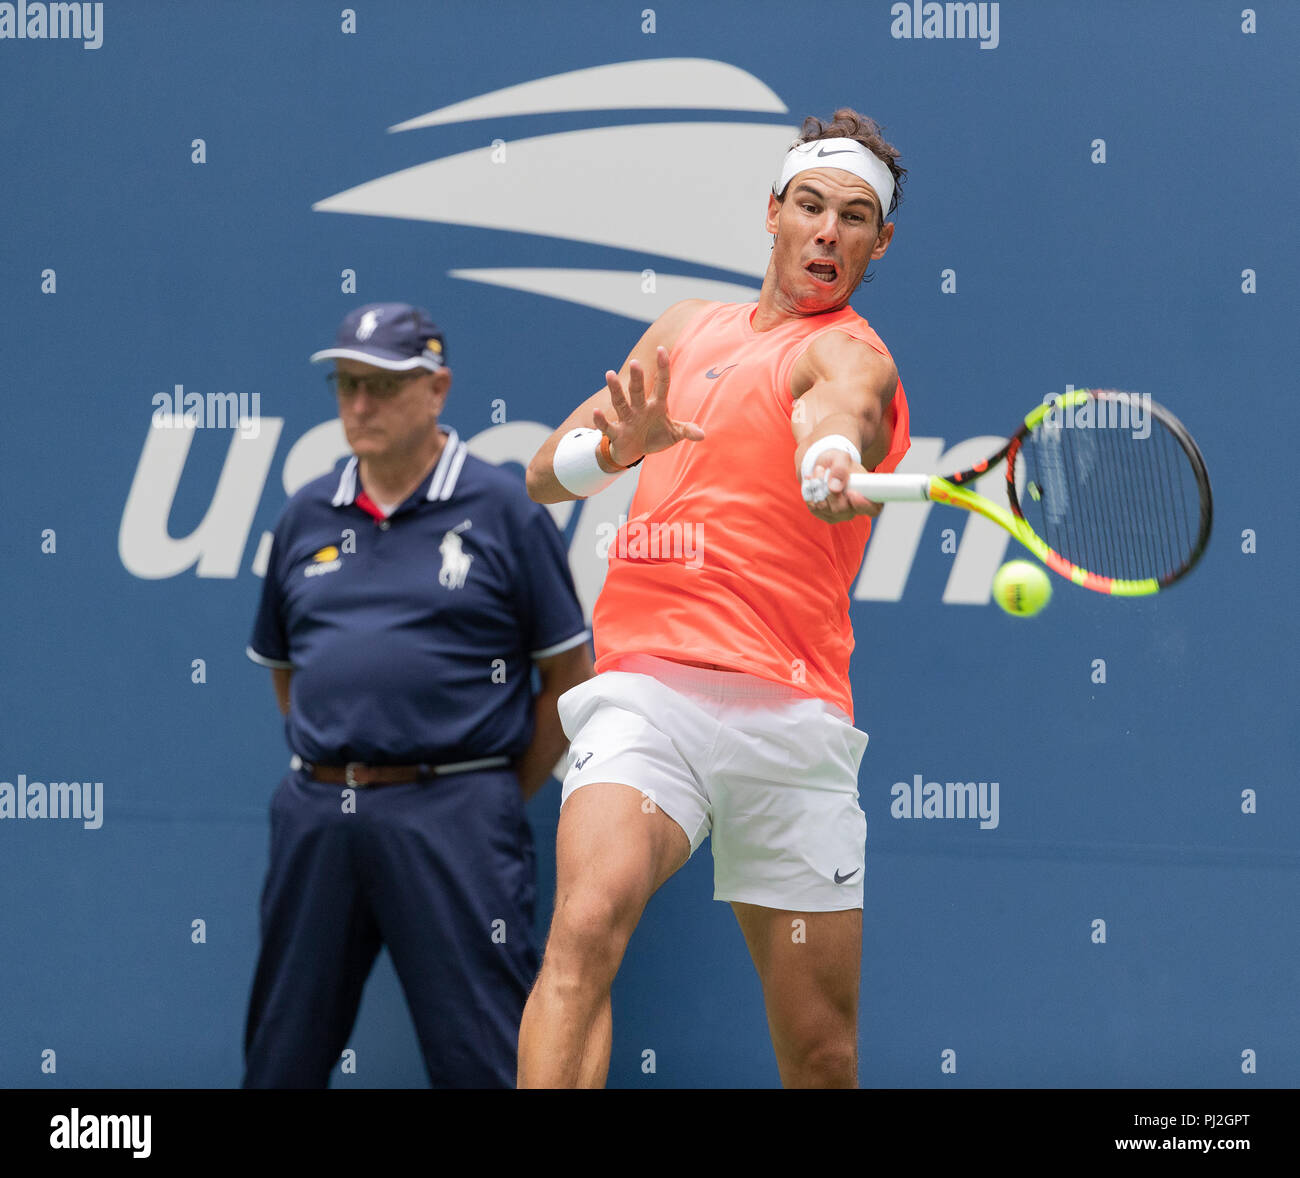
[411, 638]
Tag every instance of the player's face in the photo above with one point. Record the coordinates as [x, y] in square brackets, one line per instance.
[827, 232]
[385, 414]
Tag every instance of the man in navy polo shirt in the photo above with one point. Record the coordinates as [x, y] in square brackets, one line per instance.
[407, 600]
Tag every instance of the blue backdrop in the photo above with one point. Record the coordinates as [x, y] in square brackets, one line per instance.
[1099, 193]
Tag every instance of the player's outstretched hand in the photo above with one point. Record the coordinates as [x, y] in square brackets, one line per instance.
[641, 424]
[831, 477]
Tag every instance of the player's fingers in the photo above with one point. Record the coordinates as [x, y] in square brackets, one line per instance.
[827, 514]
[834, 466]
[688, 430]
[815, 495]
[600, 420]
[824, 511]
[842, 504]
[661, 373]
[636, 385]
[838, 506]
[864, 506]
[616, 395]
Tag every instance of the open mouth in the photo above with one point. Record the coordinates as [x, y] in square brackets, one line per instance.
[823, 271]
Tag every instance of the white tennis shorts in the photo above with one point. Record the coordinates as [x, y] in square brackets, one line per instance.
[770, 774]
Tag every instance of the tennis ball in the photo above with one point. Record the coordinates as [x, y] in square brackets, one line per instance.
[1021, 588]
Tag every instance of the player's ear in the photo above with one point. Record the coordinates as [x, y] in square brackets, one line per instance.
[773, 211]
[883, 239]
[441, 382]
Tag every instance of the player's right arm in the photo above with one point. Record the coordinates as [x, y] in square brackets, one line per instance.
[636, 422]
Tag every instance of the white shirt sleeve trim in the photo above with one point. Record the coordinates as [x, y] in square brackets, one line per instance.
[262, 660]
[560, 647]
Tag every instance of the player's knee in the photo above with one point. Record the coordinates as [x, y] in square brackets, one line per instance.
[589, 931]
[826, 1062]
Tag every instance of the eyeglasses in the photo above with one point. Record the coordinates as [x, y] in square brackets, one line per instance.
[346, 384]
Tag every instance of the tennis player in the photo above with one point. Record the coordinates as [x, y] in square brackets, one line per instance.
[722, 704]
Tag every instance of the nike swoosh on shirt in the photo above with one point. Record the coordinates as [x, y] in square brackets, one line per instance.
[845, 878]
[711, 375]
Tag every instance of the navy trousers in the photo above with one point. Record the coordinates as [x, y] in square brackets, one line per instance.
[443, 874]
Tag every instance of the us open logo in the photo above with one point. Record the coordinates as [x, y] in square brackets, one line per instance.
[327, 560]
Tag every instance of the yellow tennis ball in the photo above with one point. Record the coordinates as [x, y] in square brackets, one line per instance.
[1021, 588]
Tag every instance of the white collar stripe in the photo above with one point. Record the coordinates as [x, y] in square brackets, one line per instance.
[443, 473]
[441, 486]
[347, 489]
[458, 460]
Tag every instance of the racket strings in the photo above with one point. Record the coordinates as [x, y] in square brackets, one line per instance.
[1083, 465]
[1137, 549]
[1150, 491]
[1113, 491]
[1172, 497]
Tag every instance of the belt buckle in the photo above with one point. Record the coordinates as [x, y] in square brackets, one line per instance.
[349, 775]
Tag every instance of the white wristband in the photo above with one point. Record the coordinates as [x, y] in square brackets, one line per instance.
[575, 465]
[821, 445]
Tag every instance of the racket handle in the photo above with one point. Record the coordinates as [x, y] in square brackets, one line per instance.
[883, 488]
[889, 488]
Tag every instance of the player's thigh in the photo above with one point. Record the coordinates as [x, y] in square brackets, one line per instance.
[614, 848]
[632, 809]
[810, 965]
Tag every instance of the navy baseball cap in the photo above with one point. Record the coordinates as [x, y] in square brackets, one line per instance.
[389, 335]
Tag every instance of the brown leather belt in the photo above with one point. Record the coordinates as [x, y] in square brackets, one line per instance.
[363, 776]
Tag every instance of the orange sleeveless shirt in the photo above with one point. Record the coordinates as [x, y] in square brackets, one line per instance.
[719, 560]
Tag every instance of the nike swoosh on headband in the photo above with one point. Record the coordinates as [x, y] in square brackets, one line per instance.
[860, 162]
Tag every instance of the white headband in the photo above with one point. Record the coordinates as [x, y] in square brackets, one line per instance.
[846, 154]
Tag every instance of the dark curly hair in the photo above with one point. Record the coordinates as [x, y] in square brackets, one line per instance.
[848, 124]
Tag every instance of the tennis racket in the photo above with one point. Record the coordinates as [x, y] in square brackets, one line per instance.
[1108, 489]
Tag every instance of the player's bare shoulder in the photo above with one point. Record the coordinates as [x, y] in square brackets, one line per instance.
[670, 325]
[835, 357]
[664, 332]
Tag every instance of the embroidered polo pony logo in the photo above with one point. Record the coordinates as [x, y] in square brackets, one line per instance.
[455, 560]
[366, 328]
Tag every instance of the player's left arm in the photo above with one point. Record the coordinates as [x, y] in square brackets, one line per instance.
[280, 678]
[842, 388]
[558, 672]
